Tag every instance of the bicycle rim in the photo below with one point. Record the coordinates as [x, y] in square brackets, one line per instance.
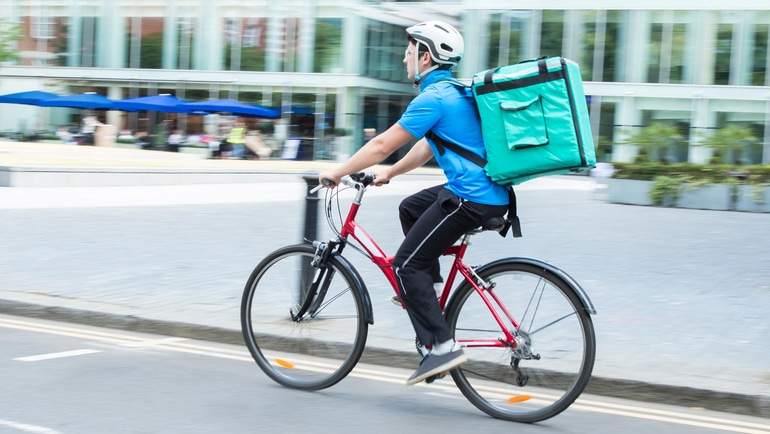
[321, 348]
[544, 376]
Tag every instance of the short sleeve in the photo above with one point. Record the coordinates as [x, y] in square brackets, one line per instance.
[422, 114]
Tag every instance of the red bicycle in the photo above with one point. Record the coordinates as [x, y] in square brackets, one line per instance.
[526, 325]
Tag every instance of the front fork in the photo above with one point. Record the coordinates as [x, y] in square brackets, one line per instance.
[312, 297]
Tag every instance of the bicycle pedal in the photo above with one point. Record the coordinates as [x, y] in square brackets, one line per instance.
[435, 377]
[397, 301]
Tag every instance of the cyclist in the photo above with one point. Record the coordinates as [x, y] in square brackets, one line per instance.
[435, 218]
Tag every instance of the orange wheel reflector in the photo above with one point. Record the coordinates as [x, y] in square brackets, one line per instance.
[516, 399]
[284, 363]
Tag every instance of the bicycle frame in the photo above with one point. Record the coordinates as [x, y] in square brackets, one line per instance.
[351, 229]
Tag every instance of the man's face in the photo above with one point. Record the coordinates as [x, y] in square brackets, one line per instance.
[424, 60]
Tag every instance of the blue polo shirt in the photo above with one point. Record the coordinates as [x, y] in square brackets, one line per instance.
[449, 112]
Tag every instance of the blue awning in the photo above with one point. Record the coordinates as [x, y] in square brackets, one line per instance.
[234, 107]
[302, 110]
[87, 100]
[159, 103]
[34, 97]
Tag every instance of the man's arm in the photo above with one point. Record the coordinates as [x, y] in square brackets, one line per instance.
[373, 152]
[416, 157]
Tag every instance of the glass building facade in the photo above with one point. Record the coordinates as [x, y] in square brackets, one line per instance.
[338, 64]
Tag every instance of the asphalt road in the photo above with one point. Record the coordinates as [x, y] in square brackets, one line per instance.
[682, 295]
[59, 378]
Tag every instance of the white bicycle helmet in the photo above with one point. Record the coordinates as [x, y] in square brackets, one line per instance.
[444, 43]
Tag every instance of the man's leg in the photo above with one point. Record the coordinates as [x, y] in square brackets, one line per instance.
[412, 208]
[440, 226]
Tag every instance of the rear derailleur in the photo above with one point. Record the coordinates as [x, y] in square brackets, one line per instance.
[522, 352]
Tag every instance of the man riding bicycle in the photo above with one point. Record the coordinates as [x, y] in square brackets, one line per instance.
[435, 218]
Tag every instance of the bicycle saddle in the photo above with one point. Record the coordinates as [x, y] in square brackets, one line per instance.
[493, 224]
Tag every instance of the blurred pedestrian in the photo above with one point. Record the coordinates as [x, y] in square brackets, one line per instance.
[234, 144]
[88, 128]
[64, 135]
[175, 140]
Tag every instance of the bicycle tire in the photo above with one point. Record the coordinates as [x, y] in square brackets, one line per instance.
[454, 309]
[256, 350]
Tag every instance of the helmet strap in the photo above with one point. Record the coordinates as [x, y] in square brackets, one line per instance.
[417, 74]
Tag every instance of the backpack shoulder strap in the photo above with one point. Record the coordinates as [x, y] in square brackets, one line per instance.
[442, 145]
[512, 219]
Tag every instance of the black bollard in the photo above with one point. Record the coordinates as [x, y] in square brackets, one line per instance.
[310, 233]
[311, 209]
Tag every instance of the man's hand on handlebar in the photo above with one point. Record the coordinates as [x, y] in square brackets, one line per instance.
[382, 176]
[329, 179]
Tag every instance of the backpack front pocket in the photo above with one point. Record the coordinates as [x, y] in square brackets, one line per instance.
[524, 123]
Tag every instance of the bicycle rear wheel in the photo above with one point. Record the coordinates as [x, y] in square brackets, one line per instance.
[553, 361]
[317, 349]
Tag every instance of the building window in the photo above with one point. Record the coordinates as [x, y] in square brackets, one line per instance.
[600, 36]
[328, 45]
[290, 45]
[551, 33]
[610, 71]
[245, 44]
[144, 42]
[43, 27]
[666, 55]
[43, 40]
[676, 63]
[606, 132]
[185, 43]
[724, 44]
[653, 56]
[759, 69]
[385, 44]
[506, 31]
[88, 40]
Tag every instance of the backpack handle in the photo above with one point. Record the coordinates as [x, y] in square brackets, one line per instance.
[533, 59]
[542, 67]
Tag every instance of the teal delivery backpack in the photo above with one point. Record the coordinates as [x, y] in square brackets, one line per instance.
[534, 120]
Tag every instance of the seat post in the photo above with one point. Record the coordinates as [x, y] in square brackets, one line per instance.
[466, 240]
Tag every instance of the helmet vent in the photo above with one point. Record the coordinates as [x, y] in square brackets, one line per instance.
[446, 47]
[442, 28]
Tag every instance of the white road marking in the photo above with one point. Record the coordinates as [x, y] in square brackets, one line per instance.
[446, 389]
[442, 395]
[60, 355]
[27, 428]
[153, 342]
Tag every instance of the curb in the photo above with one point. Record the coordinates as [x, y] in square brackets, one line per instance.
[749, 405]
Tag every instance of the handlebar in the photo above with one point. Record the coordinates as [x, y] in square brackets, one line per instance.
[354, 179]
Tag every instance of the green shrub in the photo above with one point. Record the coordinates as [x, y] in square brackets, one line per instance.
[654, 140]
[718, 173]
[730, 141]
[666, 189]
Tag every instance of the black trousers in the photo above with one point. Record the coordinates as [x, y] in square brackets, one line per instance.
[433, 220]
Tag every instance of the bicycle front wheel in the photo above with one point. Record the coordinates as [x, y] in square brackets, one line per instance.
[551, 363]
[318, 348]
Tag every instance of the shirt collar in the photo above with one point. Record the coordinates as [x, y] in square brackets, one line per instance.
[434, 77]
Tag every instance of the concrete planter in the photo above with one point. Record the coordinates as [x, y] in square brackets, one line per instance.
[629, 191]
[746, 201]
[711, 196]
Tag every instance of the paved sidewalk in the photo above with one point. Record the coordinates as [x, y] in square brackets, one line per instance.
[682, 295]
